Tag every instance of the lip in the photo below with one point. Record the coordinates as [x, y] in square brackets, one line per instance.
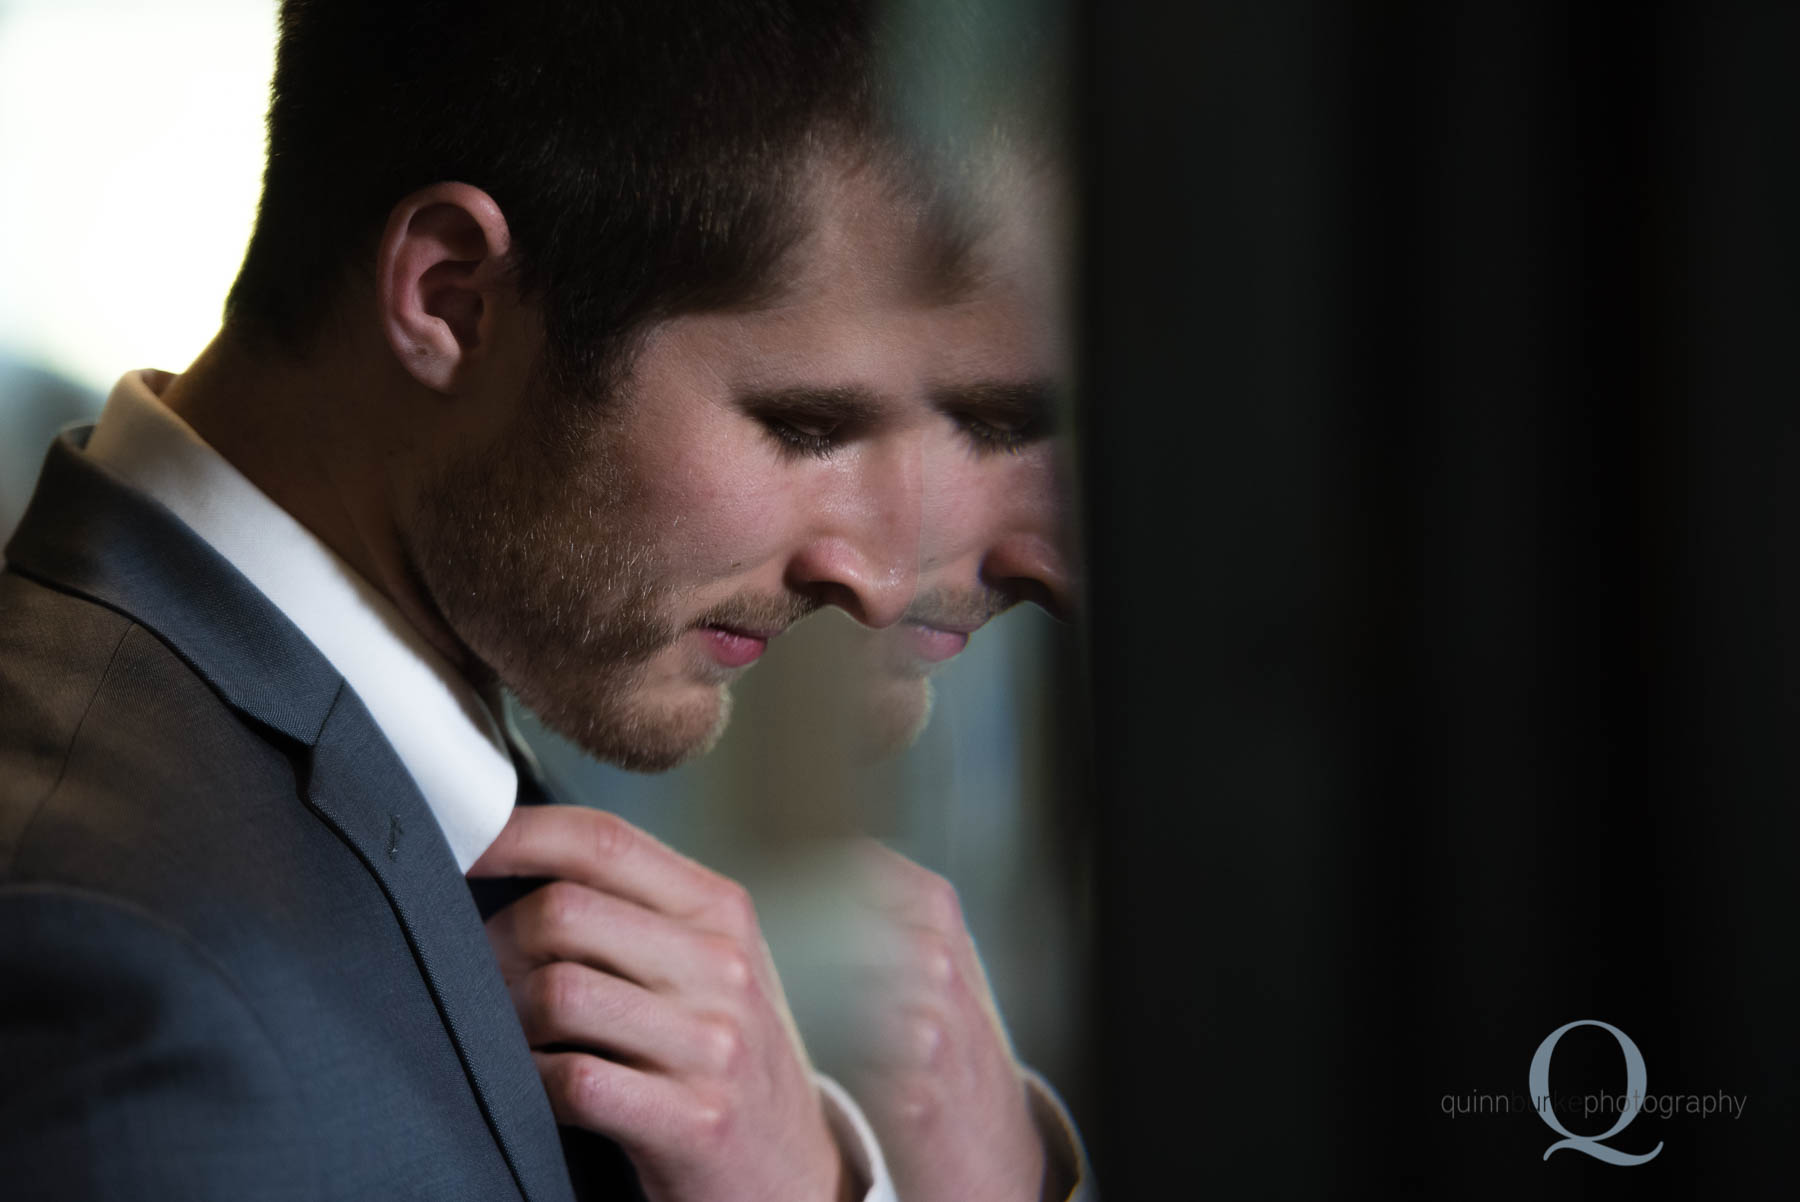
[934, 644]
[732, 647]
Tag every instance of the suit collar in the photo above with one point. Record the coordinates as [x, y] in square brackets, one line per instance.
[87, 533]
[443, 730]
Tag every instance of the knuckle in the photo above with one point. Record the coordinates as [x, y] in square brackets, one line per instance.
[609, 836]
[580, 1083]
[562, 906]
[573, 1085]
[555, 990]
[942, 906]
[730, 962]
[918, 1106]
[708, 1120]
[734, 909]
[926, 1037]
[725, 1044]
[934, 956]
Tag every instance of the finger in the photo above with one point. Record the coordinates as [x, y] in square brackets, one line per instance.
[923, 966]
[565, 1003]
[886, 947]
[603, 851]
[929, 932]
[646, 1112]
[903, 1105]
[568, 921]
[894, 885]
[907, 1037]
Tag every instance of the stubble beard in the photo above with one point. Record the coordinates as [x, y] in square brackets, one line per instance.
[536, 558]
[895, 712]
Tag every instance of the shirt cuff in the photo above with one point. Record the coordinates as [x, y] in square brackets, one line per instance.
[856, 1140]
[1065, 1158]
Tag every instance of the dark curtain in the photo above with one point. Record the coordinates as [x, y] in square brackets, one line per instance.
[1441, 373]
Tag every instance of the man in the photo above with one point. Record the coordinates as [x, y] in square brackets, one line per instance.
[561, 359]
[957, 1115]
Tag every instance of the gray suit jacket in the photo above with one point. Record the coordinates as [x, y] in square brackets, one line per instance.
[237, 959]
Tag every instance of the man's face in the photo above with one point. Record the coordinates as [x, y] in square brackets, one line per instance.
[617, 566]
[994, 529]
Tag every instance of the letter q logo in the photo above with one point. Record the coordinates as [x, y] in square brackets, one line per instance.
[1635, 1080]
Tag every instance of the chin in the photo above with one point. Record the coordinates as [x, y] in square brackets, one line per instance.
[647, 730]
[898, 710]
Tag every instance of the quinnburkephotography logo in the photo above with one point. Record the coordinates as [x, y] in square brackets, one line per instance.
[1632, 1101]
[1636, 1100]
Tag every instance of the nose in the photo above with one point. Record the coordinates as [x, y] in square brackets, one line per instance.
[864, 558]
[875, 590]
[1030, 567]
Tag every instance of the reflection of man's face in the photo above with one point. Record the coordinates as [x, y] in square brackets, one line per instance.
[618, 570]
[994, 528]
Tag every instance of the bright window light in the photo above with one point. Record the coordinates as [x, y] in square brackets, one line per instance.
[131, 147]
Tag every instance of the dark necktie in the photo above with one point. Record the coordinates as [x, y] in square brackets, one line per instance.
[598, 1167]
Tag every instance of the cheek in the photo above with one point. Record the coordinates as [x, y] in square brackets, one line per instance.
[718, 508]
[971, 502]
[1026, 490]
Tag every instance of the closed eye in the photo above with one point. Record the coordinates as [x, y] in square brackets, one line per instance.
[812, 421]
[999, 417]
[987, 437]
[795, 438]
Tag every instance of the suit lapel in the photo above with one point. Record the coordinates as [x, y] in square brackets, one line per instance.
[87, 533]
[360, 788]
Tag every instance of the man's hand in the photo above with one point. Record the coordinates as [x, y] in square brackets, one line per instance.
[940, 1084]
[655, 1015]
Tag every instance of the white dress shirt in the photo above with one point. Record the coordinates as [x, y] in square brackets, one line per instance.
[442, 730]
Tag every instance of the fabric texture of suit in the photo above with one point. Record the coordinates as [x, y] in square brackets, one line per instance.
[237, 959]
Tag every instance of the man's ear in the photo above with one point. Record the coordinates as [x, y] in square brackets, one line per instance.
[440, 272]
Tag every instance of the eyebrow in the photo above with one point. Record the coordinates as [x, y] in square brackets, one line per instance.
[847, 406]
[1015, 404]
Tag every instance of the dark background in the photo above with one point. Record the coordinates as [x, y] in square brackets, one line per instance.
[1441, 366]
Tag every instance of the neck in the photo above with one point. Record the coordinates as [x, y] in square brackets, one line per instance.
[314, 435]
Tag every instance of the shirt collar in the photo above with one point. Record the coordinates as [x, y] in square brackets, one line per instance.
[443, 731]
